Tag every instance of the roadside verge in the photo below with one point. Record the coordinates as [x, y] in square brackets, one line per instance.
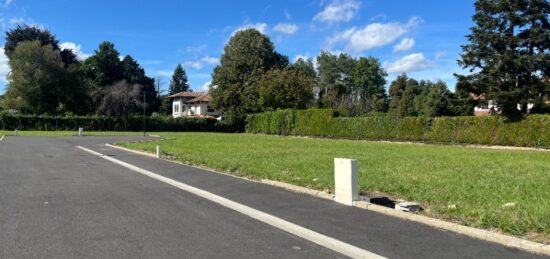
[481, 234]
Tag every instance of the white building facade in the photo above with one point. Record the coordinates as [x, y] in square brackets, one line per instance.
[188, 104]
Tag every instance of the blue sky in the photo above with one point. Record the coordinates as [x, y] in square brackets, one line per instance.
[420, 37]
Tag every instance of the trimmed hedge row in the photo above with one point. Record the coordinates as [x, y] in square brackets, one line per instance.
[100, 123]
[534, 131]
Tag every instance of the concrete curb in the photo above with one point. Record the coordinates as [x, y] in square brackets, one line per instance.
[477, 233]
[481, 234]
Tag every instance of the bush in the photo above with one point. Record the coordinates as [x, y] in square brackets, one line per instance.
[102, 123]
[534, 131]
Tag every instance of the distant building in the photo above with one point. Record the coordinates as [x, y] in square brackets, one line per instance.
[486, 108]
[189, 104]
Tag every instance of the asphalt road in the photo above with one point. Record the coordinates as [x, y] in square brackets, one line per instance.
[57, 201]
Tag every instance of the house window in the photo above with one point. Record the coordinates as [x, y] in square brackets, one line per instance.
[209, 109]
[176, 108]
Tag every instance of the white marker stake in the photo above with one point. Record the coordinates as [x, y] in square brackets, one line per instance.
[159, 152]
[346, 182]
[80, 132]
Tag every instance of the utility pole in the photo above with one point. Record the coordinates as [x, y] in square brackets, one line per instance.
[144, 113]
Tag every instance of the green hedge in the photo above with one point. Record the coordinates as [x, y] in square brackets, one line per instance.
[101, 123]
[534, 131]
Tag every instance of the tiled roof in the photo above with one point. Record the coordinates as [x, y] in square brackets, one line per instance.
[187, 94]
[204, 97]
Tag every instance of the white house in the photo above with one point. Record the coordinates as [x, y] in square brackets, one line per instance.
[192, 104]
[489, 107]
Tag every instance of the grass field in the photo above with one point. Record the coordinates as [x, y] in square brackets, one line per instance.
[466, 185]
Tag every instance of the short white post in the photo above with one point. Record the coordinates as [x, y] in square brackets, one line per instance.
[16, 132]
[80, 132]
[346, 181]
[159, 152]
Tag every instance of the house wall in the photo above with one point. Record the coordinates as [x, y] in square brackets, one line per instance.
[178, 108]
[194, 109]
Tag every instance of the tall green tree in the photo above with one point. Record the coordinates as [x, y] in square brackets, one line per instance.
[402, 92]
[335, 79]
[133, 73]
[22, 33]
[369, 79]
[39, 82]
[285, 88]
[508, 52]
[304, 66]
[247, 56]
[179, 81]
[104, 67]
[99, 71]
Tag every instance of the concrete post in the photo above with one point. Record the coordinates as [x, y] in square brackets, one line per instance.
[159, 152]
[80, 132]
[16, 132]
[346, 181]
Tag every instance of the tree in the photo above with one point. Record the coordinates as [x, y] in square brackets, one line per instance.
[285, 88]
[38, 82]
[369, 81]
[305, 67]
[247, 56]
[402, 93]
[23, 33]
[336, 79]
[133, 73]
[104, 68]
[179, 81]
[508, 53]
[121, 99]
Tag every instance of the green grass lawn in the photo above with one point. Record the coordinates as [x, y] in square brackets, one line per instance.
[465, 185]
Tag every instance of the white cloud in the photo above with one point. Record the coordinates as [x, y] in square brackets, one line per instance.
[409, 63]
[304, 57]
[287, 28]
[201, 63]
[338, 11]
[206, 86]
[439, 54]
[193, 64]
[4, 66]
[404, 45]
[196, 50]
[16, 20]
[76, 49]
[162, 73]
[372, 35]
[258, 26]
[210, 60]
[7, 2]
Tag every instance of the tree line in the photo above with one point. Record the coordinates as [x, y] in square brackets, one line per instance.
[45, 79]
[507, 54]
[252, 77]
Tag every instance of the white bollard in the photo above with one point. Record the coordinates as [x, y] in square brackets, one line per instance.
[16, 132]
[346, 181]
[80, 132]
[159, 152]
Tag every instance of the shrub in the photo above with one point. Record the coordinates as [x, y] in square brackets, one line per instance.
[534, 131]
[102, 123]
